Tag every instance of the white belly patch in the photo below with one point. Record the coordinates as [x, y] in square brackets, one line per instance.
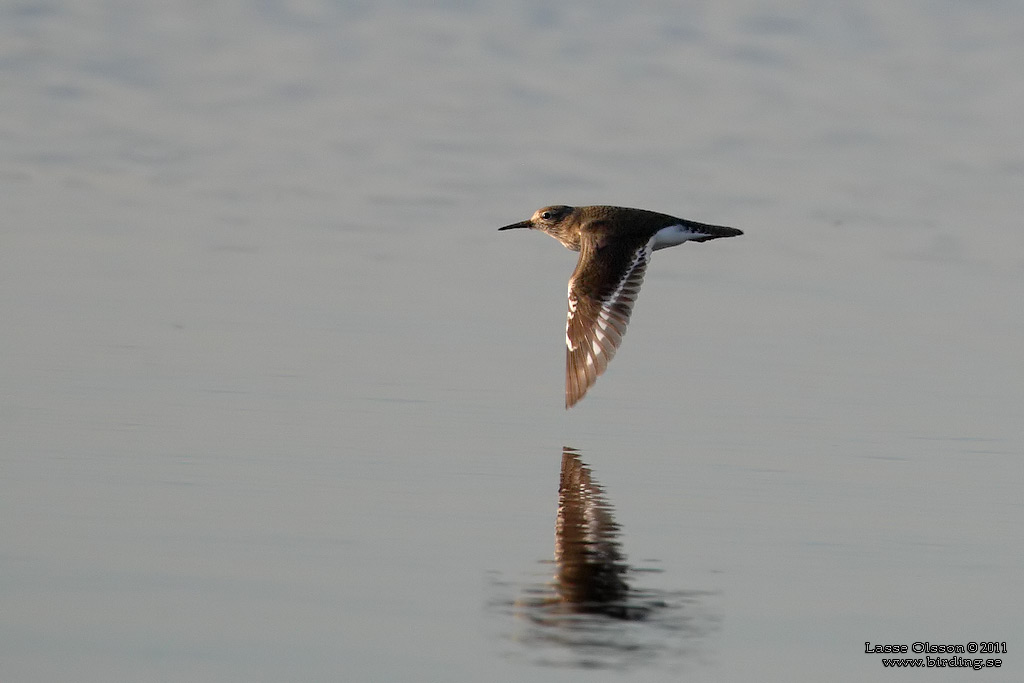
[672, 235]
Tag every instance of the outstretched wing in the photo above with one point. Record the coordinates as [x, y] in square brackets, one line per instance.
[602, 291]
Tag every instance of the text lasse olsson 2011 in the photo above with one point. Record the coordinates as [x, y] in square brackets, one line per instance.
[926, 647]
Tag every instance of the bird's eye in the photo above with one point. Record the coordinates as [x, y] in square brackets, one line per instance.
[546, 215]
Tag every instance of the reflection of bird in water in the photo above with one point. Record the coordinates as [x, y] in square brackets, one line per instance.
[588, 616]
[590, 564]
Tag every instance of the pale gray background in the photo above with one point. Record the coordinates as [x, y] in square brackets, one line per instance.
[277, 402]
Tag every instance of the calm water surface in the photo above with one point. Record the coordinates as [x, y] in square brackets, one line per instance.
[278, 402]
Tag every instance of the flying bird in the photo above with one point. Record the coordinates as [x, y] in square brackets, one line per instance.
[615, 245]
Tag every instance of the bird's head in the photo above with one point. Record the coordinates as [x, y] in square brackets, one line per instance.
[556, 221]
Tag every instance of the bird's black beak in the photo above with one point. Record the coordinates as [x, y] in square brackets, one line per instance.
[522, 224]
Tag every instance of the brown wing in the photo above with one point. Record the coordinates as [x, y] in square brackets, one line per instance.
[602, 291]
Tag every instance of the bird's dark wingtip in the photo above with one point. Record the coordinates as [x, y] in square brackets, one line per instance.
[714, 232]
[725, 231]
